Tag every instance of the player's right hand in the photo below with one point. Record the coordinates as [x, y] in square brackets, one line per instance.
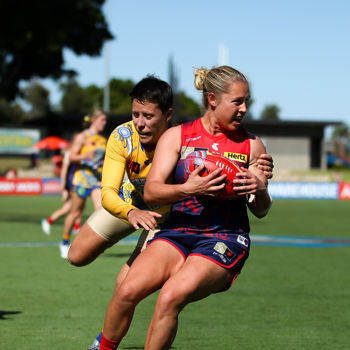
[265, 163]
[143, 218]
[248, 183]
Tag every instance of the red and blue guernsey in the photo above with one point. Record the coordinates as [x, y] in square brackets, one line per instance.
[224, 219]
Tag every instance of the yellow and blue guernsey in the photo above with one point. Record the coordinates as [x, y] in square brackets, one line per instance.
[88, 175]
[125, 154]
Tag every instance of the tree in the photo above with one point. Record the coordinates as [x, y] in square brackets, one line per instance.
[38, 31]
[270, 112]
[119, 95]
[78, 99]
[187, 106]
[94, 95]
[37, 96]
[341, 140]
[74, 99]
[11, 113]
[341, 131]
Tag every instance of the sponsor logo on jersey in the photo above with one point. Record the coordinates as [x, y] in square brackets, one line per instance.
[243, 158]
[242, 240]
[224, 252]
[215, 146]
[135, 167]
[193, 138]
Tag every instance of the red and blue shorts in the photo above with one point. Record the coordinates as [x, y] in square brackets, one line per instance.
[230, 252]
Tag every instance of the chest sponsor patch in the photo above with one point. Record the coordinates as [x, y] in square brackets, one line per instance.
[238, 157]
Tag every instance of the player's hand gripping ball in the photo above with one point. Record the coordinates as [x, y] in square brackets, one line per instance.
[211, 161]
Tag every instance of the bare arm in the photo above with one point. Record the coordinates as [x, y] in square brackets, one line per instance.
[159, 191]
[63, 176]
[259, 201]
[77, 144]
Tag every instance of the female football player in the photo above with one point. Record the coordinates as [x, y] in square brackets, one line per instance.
[204, 244]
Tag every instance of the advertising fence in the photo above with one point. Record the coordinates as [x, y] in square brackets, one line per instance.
[278, 190]
[18, 141]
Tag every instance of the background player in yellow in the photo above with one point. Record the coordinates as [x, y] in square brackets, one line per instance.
[66, 175]
[87, 150]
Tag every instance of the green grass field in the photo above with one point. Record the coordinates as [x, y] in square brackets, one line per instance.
[285, 298]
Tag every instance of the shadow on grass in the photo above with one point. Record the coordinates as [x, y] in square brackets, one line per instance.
[9, 217]
[15, 217]
[4, 313]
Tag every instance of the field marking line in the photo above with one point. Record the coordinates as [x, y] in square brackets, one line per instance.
[266, 240]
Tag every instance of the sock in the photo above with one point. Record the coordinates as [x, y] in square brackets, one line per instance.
[76, 226]
[50, 221]
[65, 239]
[98, 338]
[97, 341]
[107, 344]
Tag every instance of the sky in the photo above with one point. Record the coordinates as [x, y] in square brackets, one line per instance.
[295, 53]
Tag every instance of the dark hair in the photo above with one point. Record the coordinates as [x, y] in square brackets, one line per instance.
[152, 89]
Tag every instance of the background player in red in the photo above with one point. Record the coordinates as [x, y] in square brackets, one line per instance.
[205, 243]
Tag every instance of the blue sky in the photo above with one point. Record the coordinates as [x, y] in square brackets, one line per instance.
[296, 54]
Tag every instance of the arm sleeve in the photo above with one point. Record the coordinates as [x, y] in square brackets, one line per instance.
[112, 178]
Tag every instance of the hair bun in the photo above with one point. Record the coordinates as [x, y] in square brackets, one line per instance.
[200, 75]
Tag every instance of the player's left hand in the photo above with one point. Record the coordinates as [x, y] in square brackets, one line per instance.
[248, 183]
[143, 218]
[265, 163]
